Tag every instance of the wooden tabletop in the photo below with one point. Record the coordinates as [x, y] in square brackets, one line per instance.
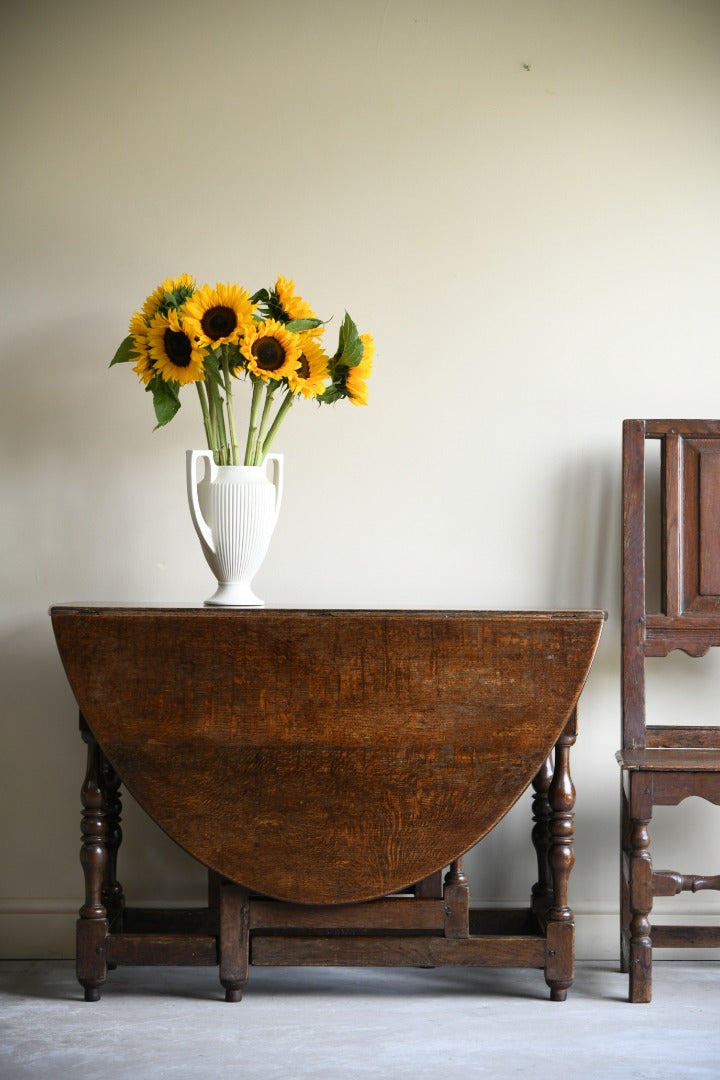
[325, 756]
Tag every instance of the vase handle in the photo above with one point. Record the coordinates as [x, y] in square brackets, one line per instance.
[277, 463]
[201, 526]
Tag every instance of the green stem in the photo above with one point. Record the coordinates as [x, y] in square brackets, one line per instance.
[218, 421]
[213, 426]
[250, 446]
[205, 414]
[269, 395]
[235, 459]
[281, 414]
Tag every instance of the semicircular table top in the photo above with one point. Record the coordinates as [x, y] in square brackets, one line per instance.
[325, 756]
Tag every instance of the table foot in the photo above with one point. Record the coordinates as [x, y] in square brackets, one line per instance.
[234, 944]
[558, 994]
[92, 993]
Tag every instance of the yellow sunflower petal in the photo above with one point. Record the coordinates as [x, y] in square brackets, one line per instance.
[294, 306]
[173, 351]
[271, 351]
[356, 380]
[185, 283]
[309, 377]
[138, 331]
[218, 316]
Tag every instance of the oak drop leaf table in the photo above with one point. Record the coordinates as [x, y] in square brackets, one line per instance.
[326, 767]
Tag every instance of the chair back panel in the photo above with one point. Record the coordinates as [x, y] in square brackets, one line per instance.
[689, 618]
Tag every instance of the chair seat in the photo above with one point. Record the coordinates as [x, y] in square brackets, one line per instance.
[670, 759]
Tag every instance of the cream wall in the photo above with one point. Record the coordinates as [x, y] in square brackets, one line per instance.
[518, 199]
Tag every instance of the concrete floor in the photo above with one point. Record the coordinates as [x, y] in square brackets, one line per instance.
[333, 1024]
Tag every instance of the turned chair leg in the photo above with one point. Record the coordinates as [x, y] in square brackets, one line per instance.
[624, 877]
[640, 894]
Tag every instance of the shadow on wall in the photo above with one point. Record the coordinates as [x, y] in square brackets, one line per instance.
[586, 561]
[54, 388]
[67, 423]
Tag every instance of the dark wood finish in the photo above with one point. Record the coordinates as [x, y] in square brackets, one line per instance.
[326, 767]
[560, 924]
[372, 915]
[670, 883]
[686, 937]
[542, 890]
[400, 951]
[234, 939]
[664, 764]
[430, 888]
[97, 843]
[181, 950]
[255, 719]
[457, 902]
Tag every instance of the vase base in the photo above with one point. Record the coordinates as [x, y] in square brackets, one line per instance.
[234, 595]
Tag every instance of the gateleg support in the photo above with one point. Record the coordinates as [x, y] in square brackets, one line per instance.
[234, 944]
[560, 925]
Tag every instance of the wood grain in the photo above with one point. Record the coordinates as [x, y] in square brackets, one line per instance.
[325, 757]
[663, 764]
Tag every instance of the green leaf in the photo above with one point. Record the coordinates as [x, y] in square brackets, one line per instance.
[173, 301]
[350, 347]
[261, 294]
[331, 394]
[166, 400]
[270, 306]
[126, 352]
[298, 325]
[212, 368]
[235, 357]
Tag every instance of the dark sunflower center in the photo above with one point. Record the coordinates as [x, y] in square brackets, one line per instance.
[218, 322]
[177, 347]
[269, 353]
[303, 370]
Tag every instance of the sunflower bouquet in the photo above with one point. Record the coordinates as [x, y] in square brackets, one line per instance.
[211, 337]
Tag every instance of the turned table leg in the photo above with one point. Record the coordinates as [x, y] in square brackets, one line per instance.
[234, 939]
[560, 931]
[112, 892]
[92, 925]
[542, 891]
[456, 895]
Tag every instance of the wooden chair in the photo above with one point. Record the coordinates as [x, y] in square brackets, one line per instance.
[662, 764]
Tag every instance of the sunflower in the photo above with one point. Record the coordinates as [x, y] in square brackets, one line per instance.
[271, 351]
[292, 306]
[171, 294]
[173, 350]
[308, 378]
[139, 334]
[356, 378]
[218, 316]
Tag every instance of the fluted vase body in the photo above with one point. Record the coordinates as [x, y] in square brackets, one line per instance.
[242, 511]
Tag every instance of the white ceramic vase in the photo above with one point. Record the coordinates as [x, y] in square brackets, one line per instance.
[242, 510]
